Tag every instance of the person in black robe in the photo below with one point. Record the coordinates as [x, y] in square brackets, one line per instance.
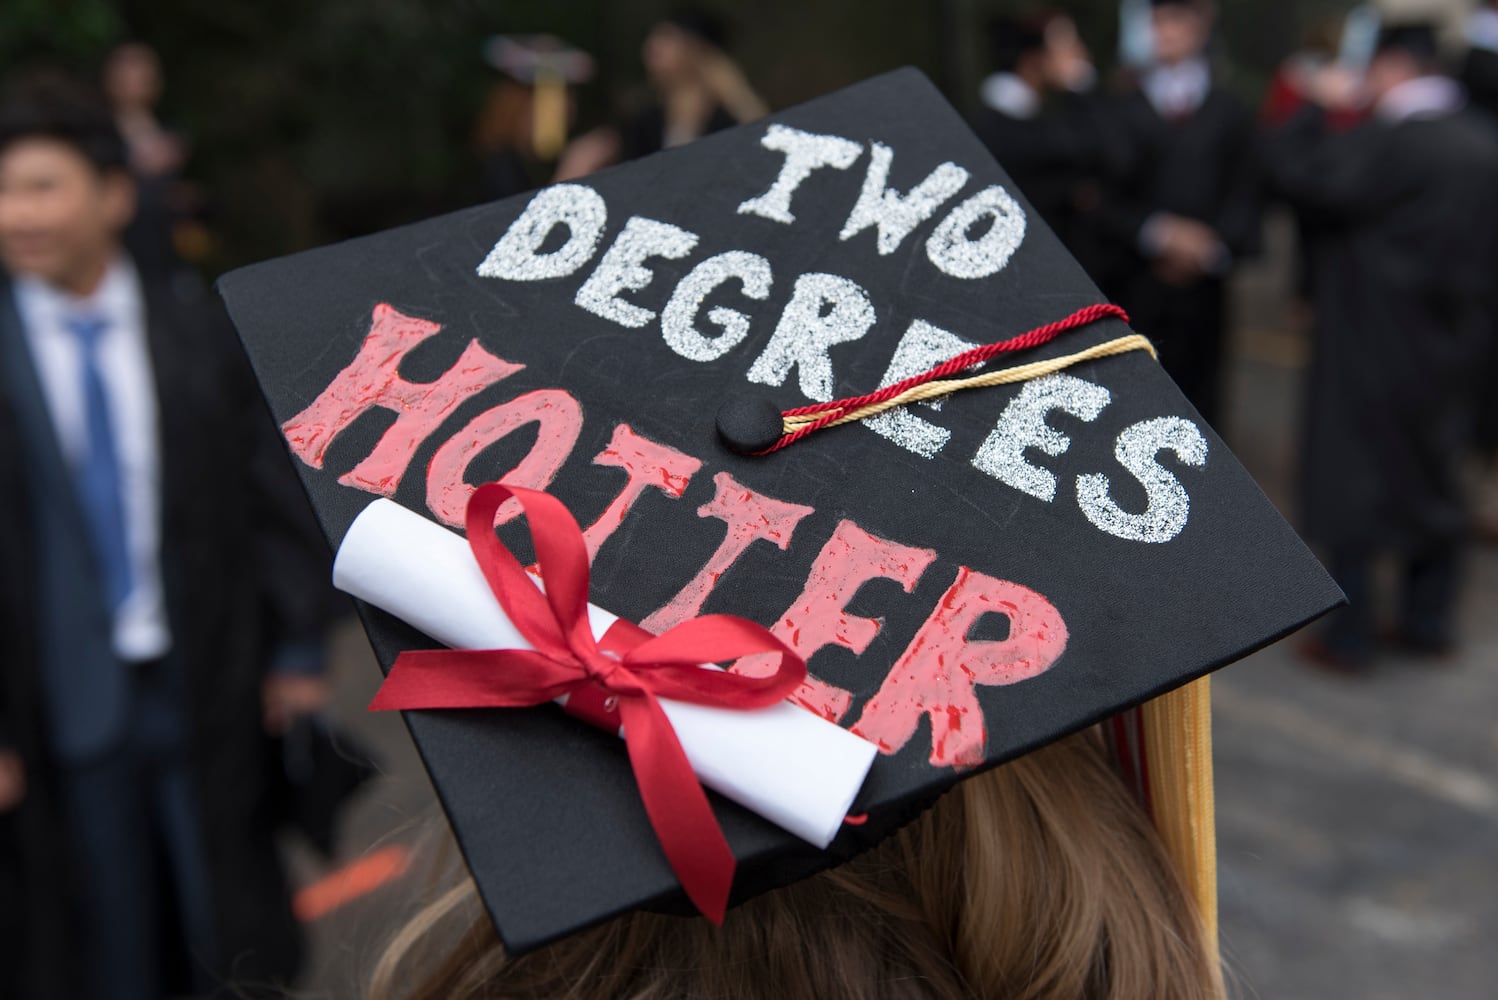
[1407, 258]
[1480, 67]
[1480, 77]
[1182, 204]
[1039, 119]
[163, 593]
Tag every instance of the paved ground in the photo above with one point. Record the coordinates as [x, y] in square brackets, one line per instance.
[1358, 820]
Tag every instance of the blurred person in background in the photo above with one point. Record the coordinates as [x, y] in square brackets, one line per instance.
[133, 84]
[1182, 204]
[522, 126]
[155, 560]
[1318, 49]
[1039, 120]
[695, 89]
[1480, 70]
[1480, 76]
[1408, 247]
[1285, 98]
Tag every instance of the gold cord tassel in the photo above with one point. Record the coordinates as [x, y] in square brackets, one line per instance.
[1178, 754]
[1004, 376]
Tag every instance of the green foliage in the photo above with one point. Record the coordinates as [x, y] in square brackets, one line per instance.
[72, 32]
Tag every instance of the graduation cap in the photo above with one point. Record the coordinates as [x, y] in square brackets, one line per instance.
[533, 59]
[702, 24]
[968, 575]
[548, 66]
[1011, 38]
[1419, 39]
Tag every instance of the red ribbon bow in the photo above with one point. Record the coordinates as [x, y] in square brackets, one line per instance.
[608, 685]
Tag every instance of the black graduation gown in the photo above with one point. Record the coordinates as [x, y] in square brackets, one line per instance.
[1406, 258]
[1203, 167]
[1480, 76]
[243, 569]
[1054, 158]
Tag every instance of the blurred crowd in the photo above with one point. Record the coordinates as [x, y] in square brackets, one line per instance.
[163, 591]
[1383, 143]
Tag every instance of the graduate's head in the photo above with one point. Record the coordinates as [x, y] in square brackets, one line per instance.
[1043, 49]
[1018, 45]
[1042, 878]
[132, 77]
[1404, 52]
[677, 46]
[66, 193]
[1181, 29]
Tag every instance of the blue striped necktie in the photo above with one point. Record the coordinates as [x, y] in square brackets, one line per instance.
[98, 473]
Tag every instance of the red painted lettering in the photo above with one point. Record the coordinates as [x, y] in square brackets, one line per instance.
[819, 617]
[750, 517]
[936, 674]
[561, 421]
[649, 466]
[373, 379]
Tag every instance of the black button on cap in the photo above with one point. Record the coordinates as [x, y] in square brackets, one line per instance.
[749, 424]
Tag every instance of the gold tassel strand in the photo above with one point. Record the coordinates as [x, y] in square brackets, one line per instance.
[1178, 754]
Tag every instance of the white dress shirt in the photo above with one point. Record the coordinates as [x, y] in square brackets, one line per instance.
[1482, 29]
[1178, 89]
[140, 623]
[1009, 95]
[1422, 97]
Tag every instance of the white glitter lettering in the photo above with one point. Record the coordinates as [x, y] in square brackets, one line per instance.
[516, 256]
[620, 270]
[679, 318]
[922, 347]
[824, 310]
[1168, 504]
[804, 152]
[954, 253]
[896, 215]
[1022, 425]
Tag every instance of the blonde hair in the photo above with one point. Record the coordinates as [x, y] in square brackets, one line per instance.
[1039, 880]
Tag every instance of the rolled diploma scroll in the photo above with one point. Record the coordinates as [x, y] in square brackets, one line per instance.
[792, 767]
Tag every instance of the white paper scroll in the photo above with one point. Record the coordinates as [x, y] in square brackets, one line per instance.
[792, 767]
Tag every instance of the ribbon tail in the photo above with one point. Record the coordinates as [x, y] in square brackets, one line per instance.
[678, 808]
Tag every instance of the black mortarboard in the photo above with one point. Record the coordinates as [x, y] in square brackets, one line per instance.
[701, 24]
[1419, 39]
[533, 59]
[1012, 38]
[968, 583]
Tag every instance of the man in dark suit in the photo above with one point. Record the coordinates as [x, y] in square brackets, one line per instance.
[1183, 203]
[154, 560]
[1409, 207]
